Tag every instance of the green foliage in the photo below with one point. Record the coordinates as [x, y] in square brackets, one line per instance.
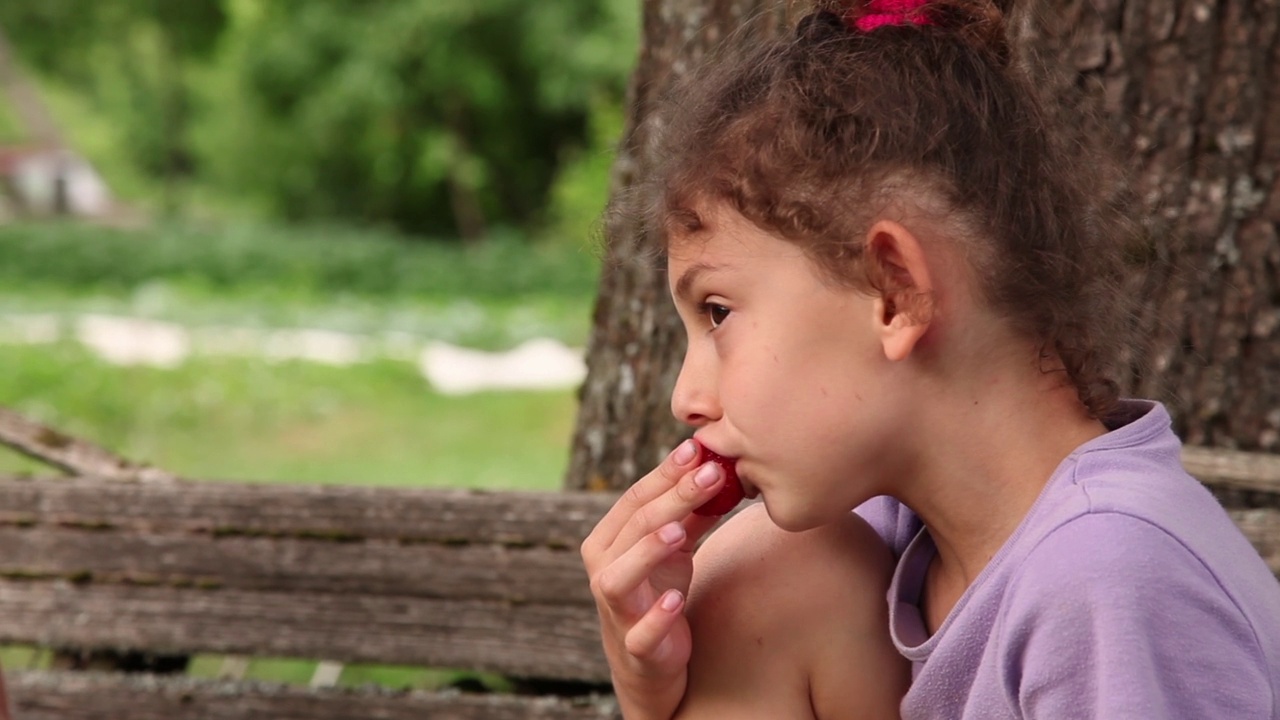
[67, 37]
[581, 189]
[439, 115]
[442, 117]
[316, 261]
[9, 131]
[129, 58]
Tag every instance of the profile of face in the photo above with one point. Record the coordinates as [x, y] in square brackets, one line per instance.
[785, 370]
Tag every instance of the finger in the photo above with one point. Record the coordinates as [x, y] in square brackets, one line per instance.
[618, 585]
[695, 527]
[677, 463]
[646, 638]
[674, 505]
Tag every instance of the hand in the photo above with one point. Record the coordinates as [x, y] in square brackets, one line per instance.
[640, 561]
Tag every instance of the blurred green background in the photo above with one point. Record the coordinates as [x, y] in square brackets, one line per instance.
[421, 170]
[442, 118]
[432, 168]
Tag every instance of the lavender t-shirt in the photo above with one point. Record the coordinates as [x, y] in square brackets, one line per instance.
[1126, 592]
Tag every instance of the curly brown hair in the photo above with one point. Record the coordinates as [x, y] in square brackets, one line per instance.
[803, 136]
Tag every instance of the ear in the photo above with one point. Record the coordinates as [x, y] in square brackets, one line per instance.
[896, 264]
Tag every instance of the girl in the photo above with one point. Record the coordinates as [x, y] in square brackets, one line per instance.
[902, 297]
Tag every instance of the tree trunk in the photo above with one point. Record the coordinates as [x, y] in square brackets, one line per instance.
[1190, 90]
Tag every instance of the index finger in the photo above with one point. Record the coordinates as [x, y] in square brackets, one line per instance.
[659, 480]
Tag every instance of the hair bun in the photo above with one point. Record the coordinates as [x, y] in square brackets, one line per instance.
[980, 23]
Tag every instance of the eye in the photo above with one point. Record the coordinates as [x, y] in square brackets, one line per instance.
[717, 314]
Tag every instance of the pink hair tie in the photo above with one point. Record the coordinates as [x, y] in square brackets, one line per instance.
[892, 12]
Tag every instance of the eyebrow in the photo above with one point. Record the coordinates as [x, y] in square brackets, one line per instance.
[690, 276]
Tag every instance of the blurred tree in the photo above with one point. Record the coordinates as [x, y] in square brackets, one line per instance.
[1192, 98]
[433, 115]
[131, 56]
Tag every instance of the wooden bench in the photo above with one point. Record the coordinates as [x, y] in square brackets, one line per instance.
[487, 582]
[480, 581]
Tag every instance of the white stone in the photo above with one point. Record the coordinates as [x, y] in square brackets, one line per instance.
[538, 364]
[134, 341]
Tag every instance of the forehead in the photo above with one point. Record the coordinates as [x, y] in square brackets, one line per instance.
[727, 243]
[722, 233]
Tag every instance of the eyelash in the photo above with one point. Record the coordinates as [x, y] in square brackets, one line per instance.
[706, 309]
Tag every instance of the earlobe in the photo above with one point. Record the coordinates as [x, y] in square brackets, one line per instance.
[897, 267]
[901, 335]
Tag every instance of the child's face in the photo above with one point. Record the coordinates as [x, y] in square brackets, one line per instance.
[784, 371]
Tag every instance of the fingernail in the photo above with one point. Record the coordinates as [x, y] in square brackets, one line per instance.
[671, 533]
[685, 453]
[671, 600]
[707, 475]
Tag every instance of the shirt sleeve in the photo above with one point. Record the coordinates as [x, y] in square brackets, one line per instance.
[1113, 617]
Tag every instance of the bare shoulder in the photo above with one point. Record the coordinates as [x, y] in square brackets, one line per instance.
[792, 624]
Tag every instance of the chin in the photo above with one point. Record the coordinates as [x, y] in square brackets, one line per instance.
[792, 519]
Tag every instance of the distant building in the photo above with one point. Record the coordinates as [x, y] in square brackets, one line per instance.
[43, 181]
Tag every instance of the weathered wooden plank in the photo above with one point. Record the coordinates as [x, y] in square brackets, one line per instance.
[533, 640]
[309, 511]
[469, 572]
[1232, 469]
[97, 696]
[413, 515]
[1262, 527]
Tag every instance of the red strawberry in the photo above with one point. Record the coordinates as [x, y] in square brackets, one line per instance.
[730, 493]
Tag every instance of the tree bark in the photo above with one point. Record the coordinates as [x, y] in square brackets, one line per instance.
[1190, 90]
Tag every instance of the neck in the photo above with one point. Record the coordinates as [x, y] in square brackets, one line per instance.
[988, 452]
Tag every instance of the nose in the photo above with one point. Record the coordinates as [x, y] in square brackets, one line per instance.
[695, 400]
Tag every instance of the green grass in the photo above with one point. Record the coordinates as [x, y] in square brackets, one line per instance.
[493, 295]
[289, 671]
[487, 323]
[299, 672]
[302, 262]
[244, 419]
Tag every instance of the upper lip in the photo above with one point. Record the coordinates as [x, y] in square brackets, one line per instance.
[712, 448]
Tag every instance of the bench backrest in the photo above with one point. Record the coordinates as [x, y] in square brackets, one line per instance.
[480, 581]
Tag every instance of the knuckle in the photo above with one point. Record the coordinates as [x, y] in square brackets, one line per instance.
[670, 470]
[605, 586]
[634, 495]
[688, 491]
[636, 644]
[644, 518]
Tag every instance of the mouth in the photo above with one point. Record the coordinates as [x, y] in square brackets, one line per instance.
[749, 489]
